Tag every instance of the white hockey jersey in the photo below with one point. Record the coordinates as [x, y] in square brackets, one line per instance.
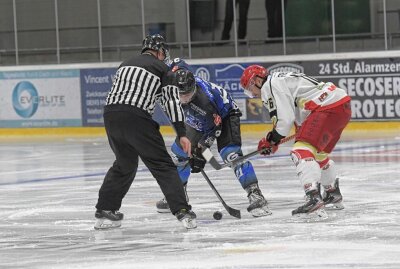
[290, 98]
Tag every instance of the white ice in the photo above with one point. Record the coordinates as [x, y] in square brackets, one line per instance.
[48, 191]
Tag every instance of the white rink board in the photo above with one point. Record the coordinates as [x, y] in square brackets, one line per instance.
[54, 93]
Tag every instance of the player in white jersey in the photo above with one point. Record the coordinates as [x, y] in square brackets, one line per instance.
[320, 111]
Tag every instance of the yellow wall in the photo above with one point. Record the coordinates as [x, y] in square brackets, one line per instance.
[26, 133]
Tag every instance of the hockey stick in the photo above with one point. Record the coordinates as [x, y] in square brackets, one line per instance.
[233, 212]
[207, 154]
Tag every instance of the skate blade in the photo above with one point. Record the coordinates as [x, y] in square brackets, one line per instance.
[189, 223]
[315, 216]
[160, 210]
[260, 212]
[335, 206]
[105, 224]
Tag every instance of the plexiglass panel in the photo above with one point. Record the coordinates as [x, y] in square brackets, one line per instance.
[79, 33]
[7, 38]
[36, 25]
[102, 30]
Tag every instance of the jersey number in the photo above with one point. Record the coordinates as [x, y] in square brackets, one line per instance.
[271, 104]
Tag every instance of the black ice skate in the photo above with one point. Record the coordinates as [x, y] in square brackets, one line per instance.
[258, 205]
[107, 219]
[163, 206]
[313, 207]
[187, 217]
[332, 196]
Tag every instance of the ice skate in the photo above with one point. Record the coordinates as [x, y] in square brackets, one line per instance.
[187, 218]
[332, 197]
[108, 219]
[163, 206]
[313, 209]
[258, 205]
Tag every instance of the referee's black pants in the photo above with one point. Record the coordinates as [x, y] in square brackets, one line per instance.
[132, 133]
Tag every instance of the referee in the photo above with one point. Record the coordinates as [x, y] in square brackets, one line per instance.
[139, 83]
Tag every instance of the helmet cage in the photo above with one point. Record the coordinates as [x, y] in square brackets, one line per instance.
[167, 60]
[187, 97]
[185, 81]
[186, 84]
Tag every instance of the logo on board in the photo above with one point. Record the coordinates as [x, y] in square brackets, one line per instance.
[25, 99]
[286, 67]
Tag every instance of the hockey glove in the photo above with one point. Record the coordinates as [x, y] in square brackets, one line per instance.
[235, 112]
[267, 145]
[197, 162]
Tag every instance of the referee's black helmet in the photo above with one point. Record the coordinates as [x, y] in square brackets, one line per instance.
[154, 42]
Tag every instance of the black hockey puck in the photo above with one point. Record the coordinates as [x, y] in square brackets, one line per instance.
[217, 215]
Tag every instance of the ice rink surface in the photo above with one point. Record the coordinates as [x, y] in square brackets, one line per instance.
[48, 191]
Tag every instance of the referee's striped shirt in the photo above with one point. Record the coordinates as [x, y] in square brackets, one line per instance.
[141, 82]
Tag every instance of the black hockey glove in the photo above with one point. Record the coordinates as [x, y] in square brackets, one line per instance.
[274, 137]
[197, 162]
[235, 112]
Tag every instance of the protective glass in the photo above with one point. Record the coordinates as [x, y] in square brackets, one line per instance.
[247, 90]
[167, 60]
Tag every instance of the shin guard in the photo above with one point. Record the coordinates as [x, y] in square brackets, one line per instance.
[328, 174]
[307, 169]
[244, 171]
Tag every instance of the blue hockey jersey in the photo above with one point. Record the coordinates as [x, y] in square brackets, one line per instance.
[209, 106]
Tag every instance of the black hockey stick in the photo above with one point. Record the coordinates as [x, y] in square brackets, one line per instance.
[207, 154]
[233, 212]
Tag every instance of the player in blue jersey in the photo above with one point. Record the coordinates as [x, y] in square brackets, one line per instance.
[211, 114]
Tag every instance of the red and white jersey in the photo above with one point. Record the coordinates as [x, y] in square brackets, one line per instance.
[290, 98]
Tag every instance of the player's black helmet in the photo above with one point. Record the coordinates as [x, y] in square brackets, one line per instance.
[185, 81]
[186, 84]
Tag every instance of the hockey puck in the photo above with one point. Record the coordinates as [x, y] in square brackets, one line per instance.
[217, 215]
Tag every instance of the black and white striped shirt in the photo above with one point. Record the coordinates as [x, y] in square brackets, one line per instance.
[141, 82]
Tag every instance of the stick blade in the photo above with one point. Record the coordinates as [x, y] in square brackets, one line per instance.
[234, 212]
